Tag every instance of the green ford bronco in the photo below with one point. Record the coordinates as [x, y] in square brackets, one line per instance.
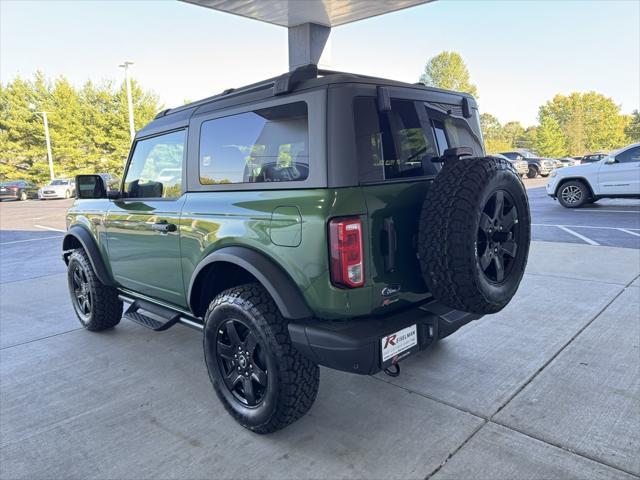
[316, 218]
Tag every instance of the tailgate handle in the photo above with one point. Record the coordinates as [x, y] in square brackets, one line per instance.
[390, 253]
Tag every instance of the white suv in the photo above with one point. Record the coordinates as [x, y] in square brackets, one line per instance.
[617, 175]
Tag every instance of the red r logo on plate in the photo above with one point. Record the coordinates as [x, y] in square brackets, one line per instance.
[390, 340]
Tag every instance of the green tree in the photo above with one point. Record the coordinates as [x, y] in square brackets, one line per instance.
[447, 70]
[633, 128]
[88, 126]
[589, 121]
[515, 134]
[549, 139]
[493, 134]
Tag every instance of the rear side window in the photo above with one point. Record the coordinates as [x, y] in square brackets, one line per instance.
[267, 145]
[391, 145]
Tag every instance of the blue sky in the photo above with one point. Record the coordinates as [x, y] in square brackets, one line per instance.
[520, 53]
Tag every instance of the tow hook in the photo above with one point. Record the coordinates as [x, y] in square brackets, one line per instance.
[393, 373]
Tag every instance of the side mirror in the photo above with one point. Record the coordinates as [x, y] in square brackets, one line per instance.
[90, 186]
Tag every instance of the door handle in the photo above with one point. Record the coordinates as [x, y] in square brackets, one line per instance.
[163, 227]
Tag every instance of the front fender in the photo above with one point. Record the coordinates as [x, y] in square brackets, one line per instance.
[282, 289]
[81, 235]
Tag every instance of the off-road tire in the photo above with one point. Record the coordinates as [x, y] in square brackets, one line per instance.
[585, 195]
[449, 234]
[533, 172]
[292, 379]
[106, 309]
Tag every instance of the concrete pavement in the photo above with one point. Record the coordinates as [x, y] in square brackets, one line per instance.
[547, 388]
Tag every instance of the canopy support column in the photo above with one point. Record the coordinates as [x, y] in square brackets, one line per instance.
[306, 43]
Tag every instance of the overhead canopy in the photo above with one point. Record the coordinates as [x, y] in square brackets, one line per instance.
[291, 13]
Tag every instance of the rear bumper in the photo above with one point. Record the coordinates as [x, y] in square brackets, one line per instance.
[355, 345]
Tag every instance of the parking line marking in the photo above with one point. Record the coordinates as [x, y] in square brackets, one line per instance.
[581, 226]
[576, 234]
[625, 230]
[589, 210]
[50, 228]
[30, 240]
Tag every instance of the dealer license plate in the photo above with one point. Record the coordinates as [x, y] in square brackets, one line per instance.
[399, 345]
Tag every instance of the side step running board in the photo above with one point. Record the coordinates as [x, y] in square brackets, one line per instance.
[153, 316]
[159, 320]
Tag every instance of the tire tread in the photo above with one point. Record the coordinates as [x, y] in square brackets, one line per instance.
[446, 257]
[299, 376]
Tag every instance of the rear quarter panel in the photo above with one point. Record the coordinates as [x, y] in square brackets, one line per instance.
[212, 220]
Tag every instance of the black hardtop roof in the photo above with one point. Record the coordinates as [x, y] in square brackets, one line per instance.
[302, 78]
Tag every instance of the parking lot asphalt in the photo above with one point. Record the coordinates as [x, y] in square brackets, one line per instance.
[547, 388]
[610, 222]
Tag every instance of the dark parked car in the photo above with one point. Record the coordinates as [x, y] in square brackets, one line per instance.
[18, 189]
[537, 165]
[315, 218]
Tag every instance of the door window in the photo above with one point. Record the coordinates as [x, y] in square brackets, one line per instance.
[266, 145]
[155, 170]
[631, 155]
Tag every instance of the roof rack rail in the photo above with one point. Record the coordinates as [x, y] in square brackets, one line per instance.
[285, 83]
[281, 85]
[162, 113]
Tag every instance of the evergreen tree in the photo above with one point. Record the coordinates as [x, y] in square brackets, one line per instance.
[88, 126]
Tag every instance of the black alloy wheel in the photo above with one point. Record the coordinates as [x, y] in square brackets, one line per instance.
[97, 306]
[497, 234]
[81, 292]
[242, 362]
[474, 234]
[256, 372]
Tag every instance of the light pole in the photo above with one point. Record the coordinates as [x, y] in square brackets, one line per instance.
[46, 137]
[132, 128]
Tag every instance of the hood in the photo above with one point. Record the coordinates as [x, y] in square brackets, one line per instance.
[581, 169]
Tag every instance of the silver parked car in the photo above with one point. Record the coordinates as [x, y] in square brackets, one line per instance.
[58, 188]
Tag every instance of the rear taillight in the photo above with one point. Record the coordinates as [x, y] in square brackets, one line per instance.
[13, 188]
[345, 246]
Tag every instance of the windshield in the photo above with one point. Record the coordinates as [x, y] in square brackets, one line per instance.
[59, 182]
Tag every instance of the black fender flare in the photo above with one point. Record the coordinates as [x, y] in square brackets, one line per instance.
[84, 237]
[283, 290]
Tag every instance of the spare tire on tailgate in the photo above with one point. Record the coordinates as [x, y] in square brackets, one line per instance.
[474, 234]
